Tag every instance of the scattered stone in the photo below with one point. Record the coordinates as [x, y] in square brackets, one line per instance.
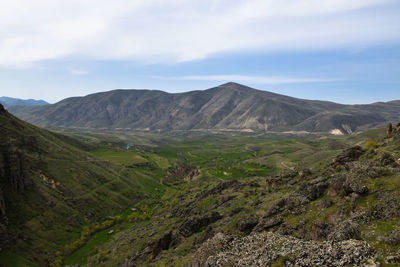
[353, 185]
[344, 231]
[393, 259]
[387, 159]
[266, 248]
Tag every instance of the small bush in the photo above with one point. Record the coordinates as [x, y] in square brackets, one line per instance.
[371, 144]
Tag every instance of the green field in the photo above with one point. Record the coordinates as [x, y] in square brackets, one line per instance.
[119, 157]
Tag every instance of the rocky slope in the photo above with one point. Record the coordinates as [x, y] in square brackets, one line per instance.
[343, 212]
[227, 107]
[267, 248]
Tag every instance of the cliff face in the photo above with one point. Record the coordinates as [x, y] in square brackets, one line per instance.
[18, 175]
[14, 173]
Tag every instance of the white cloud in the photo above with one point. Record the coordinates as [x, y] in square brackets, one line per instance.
[252, 79]
[182, 30]
[79, 72]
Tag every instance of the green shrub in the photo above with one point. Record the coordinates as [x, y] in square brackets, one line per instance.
[371, 144]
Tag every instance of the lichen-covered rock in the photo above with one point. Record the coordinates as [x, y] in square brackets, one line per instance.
[393, 259]
[194, 224]
[289, 204]
[247, 222]
[387, 159]
[320, 230]
[393, 237]
[268, 223]
[348, 155]
[386, 206]
[313, 189]
[263, 249]
[353, 185]
[344, 231]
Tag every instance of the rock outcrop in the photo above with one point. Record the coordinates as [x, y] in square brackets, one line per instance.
[348, 155]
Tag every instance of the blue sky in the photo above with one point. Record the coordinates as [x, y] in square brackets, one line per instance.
[343, 51]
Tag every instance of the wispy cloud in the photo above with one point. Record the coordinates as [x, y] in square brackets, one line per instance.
[252, 79]
[79, 72]
[182, 30]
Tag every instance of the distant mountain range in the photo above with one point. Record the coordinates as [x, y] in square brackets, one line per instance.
[9, 102]
[228, 107]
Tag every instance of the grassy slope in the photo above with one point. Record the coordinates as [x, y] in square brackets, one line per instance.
[45, 219]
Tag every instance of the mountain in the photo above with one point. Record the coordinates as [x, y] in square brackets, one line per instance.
[9, 102]
[230, 106]
[49, 189]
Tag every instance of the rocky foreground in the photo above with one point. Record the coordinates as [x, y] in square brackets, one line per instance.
[263, 249]
[344, 212]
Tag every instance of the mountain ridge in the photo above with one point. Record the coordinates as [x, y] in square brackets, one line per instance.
[229, 106]
[10, 101]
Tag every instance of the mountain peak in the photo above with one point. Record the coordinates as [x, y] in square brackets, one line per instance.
[235, 86]
[232, 84]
